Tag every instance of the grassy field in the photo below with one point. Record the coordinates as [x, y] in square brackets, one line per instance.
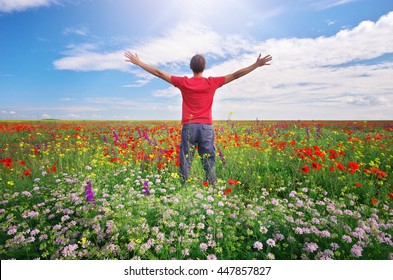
[111, 190]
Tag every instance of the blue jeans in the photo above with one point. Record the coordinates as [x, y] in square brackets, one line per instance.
[202, 136]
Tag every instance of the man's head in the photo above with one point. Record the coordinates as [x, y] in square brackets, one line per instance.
[197, 63]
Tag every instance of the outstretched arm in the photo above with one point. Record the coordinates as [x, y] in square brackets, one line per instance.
[240, 73]
[134, 58]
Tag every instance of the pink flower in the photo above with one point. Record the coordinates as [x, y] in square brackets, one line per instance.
[310, 247]
[211, 257]
[271, 242]
[275, 201]
[131, 246]
[263, 229]
[258, 245]
[12, 230]
[43, 237]
[32, 214]
[325, 233]
[70, 250]
[203, 246]
[334, 246]
[34, 232]
[356, 250]
[271, 256]
[27, 194]
[299, 230]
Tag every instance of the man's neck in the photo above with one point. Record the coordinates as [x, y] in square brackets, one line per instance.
[198, 74]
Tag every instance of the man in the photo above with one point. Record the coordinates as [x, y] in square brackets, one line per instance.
[197, 93]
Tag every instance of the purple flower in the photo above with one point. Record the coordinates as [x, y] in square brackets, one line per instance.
[115, 135]
[105, 140]
[221, 157]
[89, 193]
[145, 188]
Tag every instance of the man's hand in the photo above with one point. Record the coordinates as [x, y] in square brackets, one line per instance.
[133, 58]
[240, 73]
[263, 61]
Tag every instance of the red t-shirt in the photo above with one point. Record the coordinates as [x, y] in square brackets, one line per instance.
[198, 94]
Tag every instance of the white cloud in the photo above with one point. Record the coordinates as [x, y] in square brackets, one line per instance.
[330, 22]
[167, 92]
[138, 83]
[73, 116]
[327, 4]
[173, 48]
[81, 31]
[92, 61]
[311, 77]
[20, 5]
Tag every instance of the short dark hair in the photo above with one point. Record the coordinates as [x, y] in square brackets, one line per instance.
[197, 63]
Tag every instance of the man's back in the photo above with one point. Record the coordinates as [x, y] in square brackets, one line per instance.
[198, 94]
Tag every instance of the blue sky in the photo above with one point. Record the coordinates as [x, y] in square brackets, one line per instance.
[63, 59]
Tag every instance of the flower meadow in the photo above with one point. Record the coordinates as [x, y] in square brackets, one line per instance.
[286, 190]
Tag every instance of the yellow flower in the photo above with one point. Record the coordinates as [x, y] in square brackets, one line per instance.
[82, 241]
[11, 183]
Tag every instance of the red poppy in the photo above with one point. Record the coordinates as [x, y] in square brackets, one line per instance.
[316, 165]
[371, 170]
[27, 172]
[331, 168]
[7, 162]
[227, 191]
[353, 166]
[52, 169]
[205, 183]
[342, 153]
[382, 174]
[333, 154]
[305, 169]
[358, 184]
[233, 182]
[391, 195]
[340, 166]
[374, 201]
